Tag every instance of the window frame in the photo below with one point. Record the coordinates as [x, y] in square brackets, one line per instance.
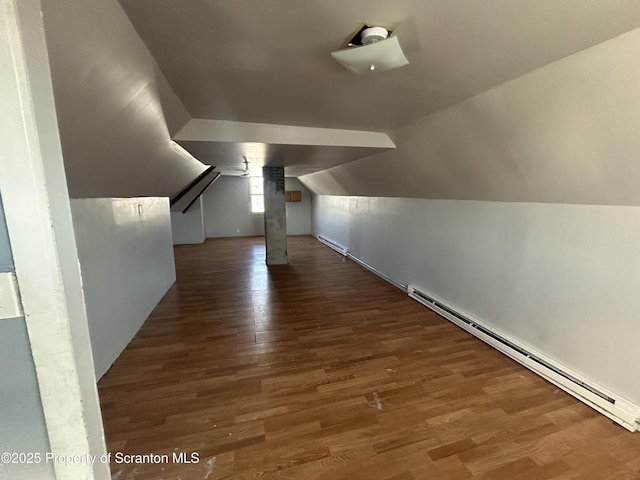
[256, 195]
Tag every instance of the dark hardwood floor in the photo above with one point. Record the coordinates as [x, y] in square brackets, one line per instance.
[321, 370]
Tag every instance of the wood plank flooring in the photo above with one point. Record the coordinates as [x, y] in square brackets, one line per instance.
[321, 370]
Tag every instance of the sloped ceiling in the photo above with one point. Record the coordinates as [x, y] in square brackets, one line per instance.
[269, 62]
[116, 111]
[565, 133]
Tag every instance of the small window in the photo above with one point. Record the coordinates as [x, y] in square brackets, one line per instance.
[257, 195]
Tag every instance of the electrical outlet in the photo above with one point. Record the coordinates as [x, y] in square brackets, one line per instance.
[237, 230]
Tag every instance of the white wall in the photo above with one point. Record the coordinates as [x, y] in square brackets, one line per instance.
[298, 213]
[126, 259]
[562, 279]
[227, 212]
[188, 227]
[115, 108]
[227, 209]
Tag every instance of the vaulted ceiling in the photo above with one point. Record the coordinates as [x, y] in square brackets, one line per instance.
[494, 91]
[268, 61]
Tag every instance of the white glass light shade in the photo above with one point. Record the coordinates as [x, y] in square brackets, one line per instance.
[372, 58]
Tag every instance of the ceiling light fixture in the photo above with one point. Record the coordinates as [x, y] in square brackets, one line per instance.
[372, 49]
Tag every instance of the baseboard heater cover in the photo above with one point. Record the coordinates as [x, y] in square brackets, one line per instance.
[331, 244]
[609, 404]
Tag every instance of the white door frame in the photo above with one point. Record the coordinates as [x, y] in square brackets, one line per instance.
[38, 217]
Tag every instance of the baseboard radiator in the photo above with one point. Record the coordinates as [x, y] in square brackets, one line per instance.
[616, 408]
[378, 273]
[331, 244]
[344, 251]
[600, 399]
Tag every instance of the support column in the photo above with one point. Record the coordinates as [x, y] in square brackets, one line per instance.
[275, 216]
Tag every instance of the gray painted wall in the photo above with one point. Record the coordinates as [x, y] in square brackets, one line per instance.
[562, 279]
[227, 211]
[188, 227]
[22, 423]
[6, 260]
[21, 418]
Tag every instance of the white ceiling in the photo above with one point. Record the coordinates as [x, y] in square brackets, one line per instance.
[269, 61]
